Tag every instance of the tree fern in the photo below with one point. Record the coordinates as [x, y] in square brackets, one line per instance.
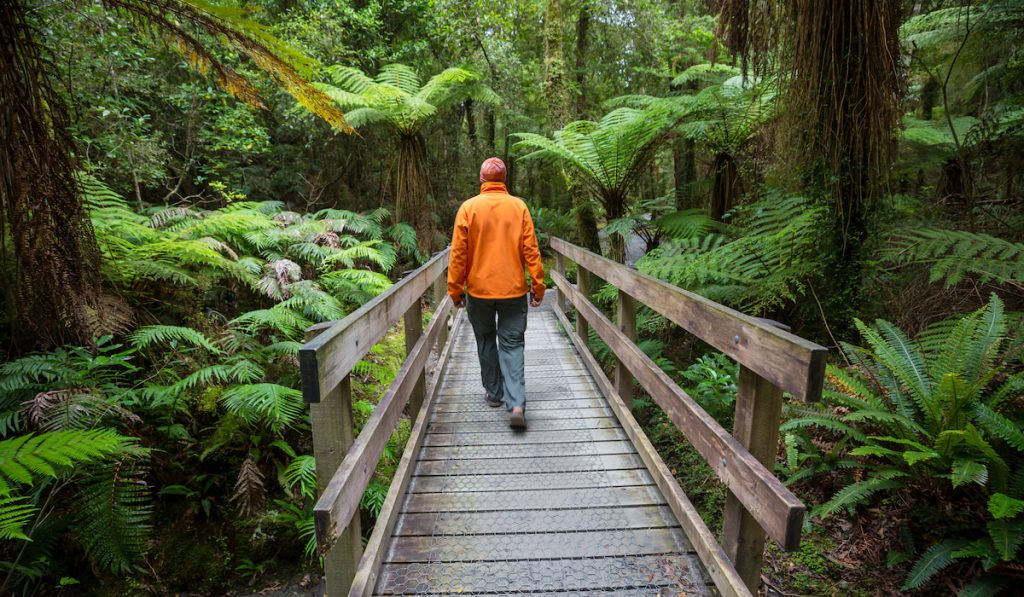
[27, 458]
[113, 518]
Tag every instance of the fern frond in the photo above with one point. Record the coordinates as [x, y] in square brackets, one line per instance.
[301, 472]
[954, 254]
[856, 493]
[15, 513]
[276, 405]
[25, 458]
[113, 518]
[149, 335]
[932, 561]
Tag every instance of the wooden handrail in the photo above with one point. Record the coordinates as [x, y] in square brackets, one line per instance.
[340, 500]
[771, 360]
[329, 357]
[331, 351]
[778, 511]
[788, 361]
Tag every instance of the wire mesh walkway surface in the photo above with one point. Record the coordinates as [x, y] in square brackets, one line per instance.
[565, 507]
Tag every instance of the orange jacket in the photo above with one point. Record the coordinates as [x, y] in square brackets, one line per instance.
[492, 240]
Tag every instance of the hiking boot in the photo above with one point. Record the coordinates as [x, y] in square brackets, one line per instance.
[491, 401]
[517, 420]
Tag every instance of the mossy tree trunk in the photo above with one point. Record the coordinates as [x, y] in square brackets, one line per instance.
[52, 240]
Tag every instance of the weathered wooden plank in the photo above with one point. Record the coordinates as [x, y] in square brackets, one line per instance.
[788, 361]
[536, 424]
[413, 324]
[532, 406]
[626, 317]
[440, 291]
[774, 506]
[460, 415]
[534, 375]
[578, 480]
[525, 451]
[546, 390]
[550, 464]
[534, 521]
[366, 574]
[325, 360]
[533, 499]
[510, 437]
[583, 280]
[340, 500]
[680, 572]
[332, 428]
[560, 268]
[758, 410]
[581, 544]
[714, 558]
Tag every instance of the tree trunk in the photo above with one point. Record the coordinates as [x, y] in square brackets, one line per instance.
[559, 112]
[54, 246]
[615, 208]
[470, 122]
[412, 191]
[582, 26]
[684, 172]
[726, 189]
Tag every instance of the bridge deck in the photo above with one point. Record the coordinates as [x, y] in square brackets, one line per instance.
[566, 507]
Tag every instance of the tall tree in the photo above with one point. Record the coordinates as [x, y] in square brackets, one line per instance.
[397, 99]
[839, 71]
[53, 245]
[560, 111]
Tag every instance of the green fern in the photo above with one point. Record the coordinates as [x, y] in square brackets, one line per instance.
[933, 561]
[275, 405]
[113, 518]
[301, 473]
[15, 513]
[149, 335]
[29, 457]
[952, 255]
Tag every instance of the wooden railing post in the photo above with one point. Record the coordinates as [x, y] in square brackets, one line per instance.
[583, 283]
[560, 268]
[626, 318]
[756, 426]
[440, 291]
[413, 331]
[333, 434]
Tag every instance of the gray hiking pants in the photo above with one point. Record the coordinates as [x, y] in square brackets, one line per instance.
[500, 346]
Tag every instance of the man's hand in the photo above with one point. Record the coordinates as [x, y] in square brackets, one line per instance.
[534, 301]
[458, 304]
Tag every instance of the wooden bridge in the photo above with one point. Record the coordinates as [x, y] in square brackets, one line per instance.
[581, 503]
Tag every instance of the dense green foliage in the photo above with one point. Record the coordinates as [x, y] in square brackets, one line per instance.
[716, 147]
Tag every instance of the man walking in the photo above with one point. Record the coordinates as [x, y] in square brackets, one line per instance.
[492, 241]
